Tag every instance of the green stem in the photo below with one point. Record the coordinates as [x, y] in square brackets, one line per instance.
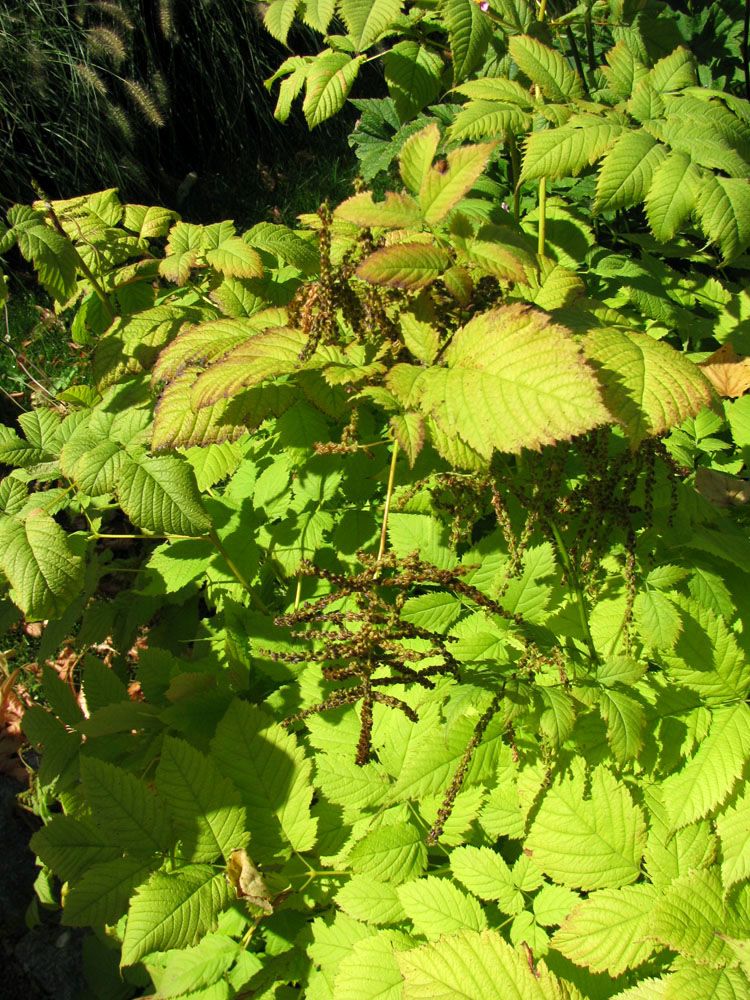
[515, 166]
[542, 10]
[542, 215]
[236, 572]
[575, 585]
[577, 57]
[590, 55]
[389, 494]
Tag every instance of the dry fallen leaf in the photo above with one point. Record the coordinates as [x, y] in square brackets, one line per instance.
[247, 881]
[729, 373]
[721, 490]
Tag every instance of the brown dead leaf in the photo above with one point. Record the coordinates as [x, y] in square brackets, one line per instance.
[247, 881]
[721, 490]
[729, 373]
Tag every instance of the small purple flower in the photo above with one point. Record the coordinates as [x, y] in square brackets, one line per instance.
[505, 206]
[484, 6]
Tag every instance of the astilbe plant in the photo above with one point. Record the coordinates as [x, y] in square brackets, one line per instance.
[430, 519]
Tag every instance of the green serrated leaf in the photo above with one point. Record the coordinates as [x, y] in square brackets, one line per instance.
[278, 18]
[723, 210]
[546, 67]
[469, 31]
[606, 932]
[174, 911]
[329, 79]
[398, 211]
[44, 565]
[625, 719]
[565, 151]
[54, 257]
[627, 171]
[124, 805]
[647, 385]
[476, 966]
[485, 873]
[674, 72]
[372, 972]
[367, 19]
[412, 72]
[204, 806]
[160, 495]
[687, 916]
[732, 825]
[101, 896]
[234, 258]
[435, 906]
[671, 854]
[417, 155]
[370, 900]
[656, 619]
[624, 70]
[506, 387]
[71, 846]
[707, 780]
[390, 854]
[588, 843]
[442, 189]
[271, 772]
[672, 195]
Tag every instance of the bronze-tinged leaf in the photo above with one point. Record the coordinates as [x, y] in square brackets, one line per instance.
[404, 265]
[408, 430]
[721, 490]
[398, 211]
[728, 372]
[459, 284]
[262, 357]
